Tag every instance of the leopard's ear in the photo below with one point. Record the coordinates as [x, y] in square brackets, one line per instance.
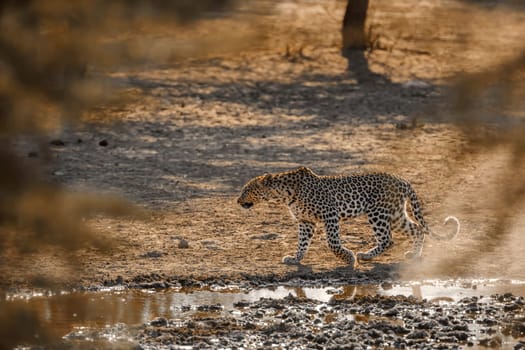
[304, 170]
[267, 179]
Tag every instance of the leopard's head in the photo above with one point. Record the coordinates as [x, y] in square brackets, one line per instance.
[280, 187]
[255, 191]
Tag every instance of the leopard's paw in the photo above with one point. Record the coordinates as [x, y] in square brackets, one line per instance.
[352, 264]
[290, 260]
[410, 255]
[363, 257]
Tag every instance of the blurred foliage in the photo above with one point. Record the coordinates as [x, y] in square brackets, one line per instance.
[478, 49]
[494, 98]
[20, 322]
[478, 44]
[53, 55]
[53, 60]
[47, 47]
[490, 107]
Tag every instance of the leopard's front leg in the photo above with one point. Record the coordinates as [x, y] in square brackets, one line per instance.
[334, 241]
[306, 232]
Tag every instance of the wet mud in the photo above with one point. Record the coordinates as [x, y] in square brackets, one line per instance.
[431, 314]
[362, 323]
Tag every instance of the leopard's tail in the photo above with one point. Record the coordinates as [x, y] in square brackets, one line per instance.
[416, 210]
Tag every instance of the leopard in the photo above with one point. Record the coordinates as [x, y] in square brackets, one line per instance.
[326, 200]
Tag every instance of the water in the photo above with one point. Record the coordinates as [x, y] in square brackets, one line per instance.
[110, 315]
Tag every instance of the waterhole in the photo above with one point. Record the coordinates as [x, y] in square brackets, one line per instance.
[109, 315]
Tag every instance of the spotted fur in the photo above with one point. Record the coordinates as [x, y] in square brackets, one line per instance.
[314, 199]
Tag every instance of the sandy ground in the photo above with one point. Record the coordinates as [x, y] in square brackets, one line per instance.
[196, 131]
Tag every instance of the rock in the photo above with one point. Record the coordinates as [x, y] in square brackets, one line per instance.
[444, 321]
[493, 342]
[153, 285]
[511, 307]
[237, 335]
[103, 143]
[417, 334]
[374, 333]
[183, 244]
[159, 322]
[311, 311]
[241, 304]
[430, 324]
[152, 254]
[416, 83]
[460, 327]
[457, 335]
[212, 308]
[488, 321]
[400, 330]
[445, 338]
[57, 142]
[266, 237]
[280, 327]
[514, 329]
[386, 285]
[505, 297]
[320, 339]
[390, 313]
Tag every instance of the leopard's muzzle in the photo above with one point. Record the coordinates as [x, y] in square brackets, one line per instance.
[247, 205]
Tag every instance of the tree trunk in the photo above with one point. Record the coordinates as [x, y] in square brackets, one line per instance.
[354, 36]
[355, 40]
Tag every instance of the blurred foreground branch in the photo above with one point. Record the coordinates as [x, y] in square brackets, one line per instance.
[490, 107]
[53, 59]
[494, 98]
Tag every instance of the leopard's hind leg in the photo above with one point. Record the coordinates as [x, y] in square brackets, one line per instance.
[405, 225]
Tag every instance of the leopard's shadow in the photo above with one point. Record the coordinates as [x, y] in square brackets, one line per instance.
[370, 272]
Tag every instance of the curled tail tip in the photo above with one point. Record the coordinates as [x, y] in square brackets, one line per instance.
[448, 218]
[455, 219]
